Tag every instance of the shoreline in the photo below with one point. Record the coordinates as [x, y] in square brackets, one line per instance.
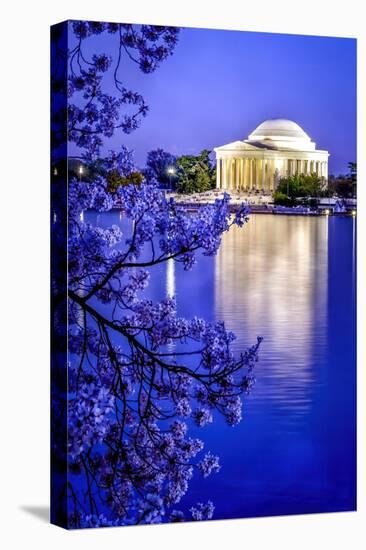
[263, 204]
[277, 210]
[269, 209]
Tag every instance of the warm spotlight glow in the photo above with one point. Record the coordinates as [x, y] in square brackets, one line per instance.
[354, 213]
[170, 278]
[171, 170]
[81, 169]
[326, 212]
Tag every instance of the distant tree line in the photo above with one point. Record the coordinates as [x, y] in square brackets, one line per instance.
[188, 174]
[306, 189]
[344, 186]
[299, 189]
[183, 174]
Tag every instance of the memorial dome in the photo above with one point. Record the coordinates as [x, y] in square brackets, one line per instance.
[282, 133]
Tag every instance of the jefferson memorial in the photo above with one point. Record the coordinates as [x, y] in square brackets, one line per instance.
[277, 148]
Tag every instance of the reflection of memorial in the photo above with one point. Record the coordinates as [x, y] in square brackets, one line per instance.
[170, 279]
[271, 280]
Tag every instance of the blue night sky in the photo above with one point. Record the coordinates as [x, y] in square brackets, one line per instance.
[219, 85]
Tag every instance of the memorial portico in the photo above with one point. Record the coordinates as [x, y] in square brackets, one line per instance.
[277, 148]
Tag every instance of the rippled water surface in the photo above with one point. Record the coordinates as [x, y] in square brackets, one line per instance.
[291, 280]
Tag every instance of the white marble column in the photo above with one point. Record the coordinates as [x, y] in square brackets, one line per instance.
[246, 174]
[230, 174]
[263, 179]
[256, 174]
[293, 167]
[237, 174]
[251, 176]
[241, 175]
[218, 173]
[224, 174]
[271, 176]
[257, 163]
[276, 178]
[285, 170]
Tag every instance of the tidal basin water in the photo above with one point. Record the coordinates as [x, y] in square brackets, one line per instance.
[291, 280]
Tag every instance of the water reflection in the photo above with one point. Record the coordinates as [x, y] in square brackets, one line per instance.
[271, 279]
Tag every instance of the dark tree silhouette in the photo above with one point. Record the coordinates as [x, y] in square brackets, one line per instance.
[158, 164]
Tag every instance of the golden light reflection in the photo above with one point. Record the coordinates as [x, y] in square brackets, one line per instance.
[271, 280]
[170, 278]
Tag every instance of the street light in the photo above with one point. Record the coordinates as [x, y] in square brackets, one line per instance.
[81, 171]
[170, 172]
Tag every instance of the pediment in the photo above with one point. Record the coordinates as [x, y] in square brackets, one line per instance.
[237, 146]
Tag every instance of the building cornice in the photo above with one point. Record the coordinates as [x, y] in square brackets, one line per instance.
[270, 153]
